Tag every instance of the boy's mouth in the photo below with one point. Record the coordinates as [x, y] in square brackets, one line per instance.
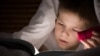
[63, 41]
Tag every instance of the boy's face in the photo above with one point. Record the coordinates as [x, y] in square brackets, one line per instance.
[67, 26]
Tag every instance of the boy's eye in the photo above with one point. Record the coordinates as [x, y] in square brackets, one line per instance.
[75, 30]
[60, 24]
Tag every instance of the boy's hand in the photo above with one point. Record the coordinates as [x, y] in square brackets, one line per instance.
[93, 42]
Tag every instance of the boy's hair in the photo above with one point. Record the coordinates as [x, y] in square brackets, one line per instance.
[84, 8]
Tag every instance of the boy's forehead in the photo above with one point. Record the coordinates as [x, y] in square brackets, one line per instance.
[72, 19]
[68, 16]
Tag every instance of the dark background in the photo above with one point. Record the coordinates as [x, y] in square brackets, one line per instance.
[15, 14]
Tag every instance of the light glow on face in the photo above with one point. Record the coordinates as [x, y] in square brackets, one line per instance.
[66, 28]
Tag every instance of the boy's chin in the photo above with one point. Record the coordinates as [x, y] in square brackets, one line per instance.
[63, 47]
[66, 48]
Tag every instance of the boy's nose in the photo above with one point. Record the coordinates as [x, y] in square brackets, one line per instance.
[65, 33]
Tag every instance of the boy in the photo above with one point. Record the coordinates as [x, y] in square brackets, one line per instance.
[71, 19]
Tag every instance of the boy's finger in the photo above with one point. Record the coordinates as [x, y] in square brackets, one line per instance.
[97, 39]
[95, 33]
[87, 45]
[92, 42]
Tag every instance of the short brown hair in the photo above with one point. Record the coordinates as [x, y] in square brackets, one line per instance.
[84, 8]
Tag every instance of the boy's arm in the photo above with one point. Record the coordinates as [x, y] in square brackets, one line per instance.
[41, 24]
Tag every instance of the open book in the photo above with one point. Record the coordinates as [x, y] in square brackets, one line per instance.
[17, 47]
